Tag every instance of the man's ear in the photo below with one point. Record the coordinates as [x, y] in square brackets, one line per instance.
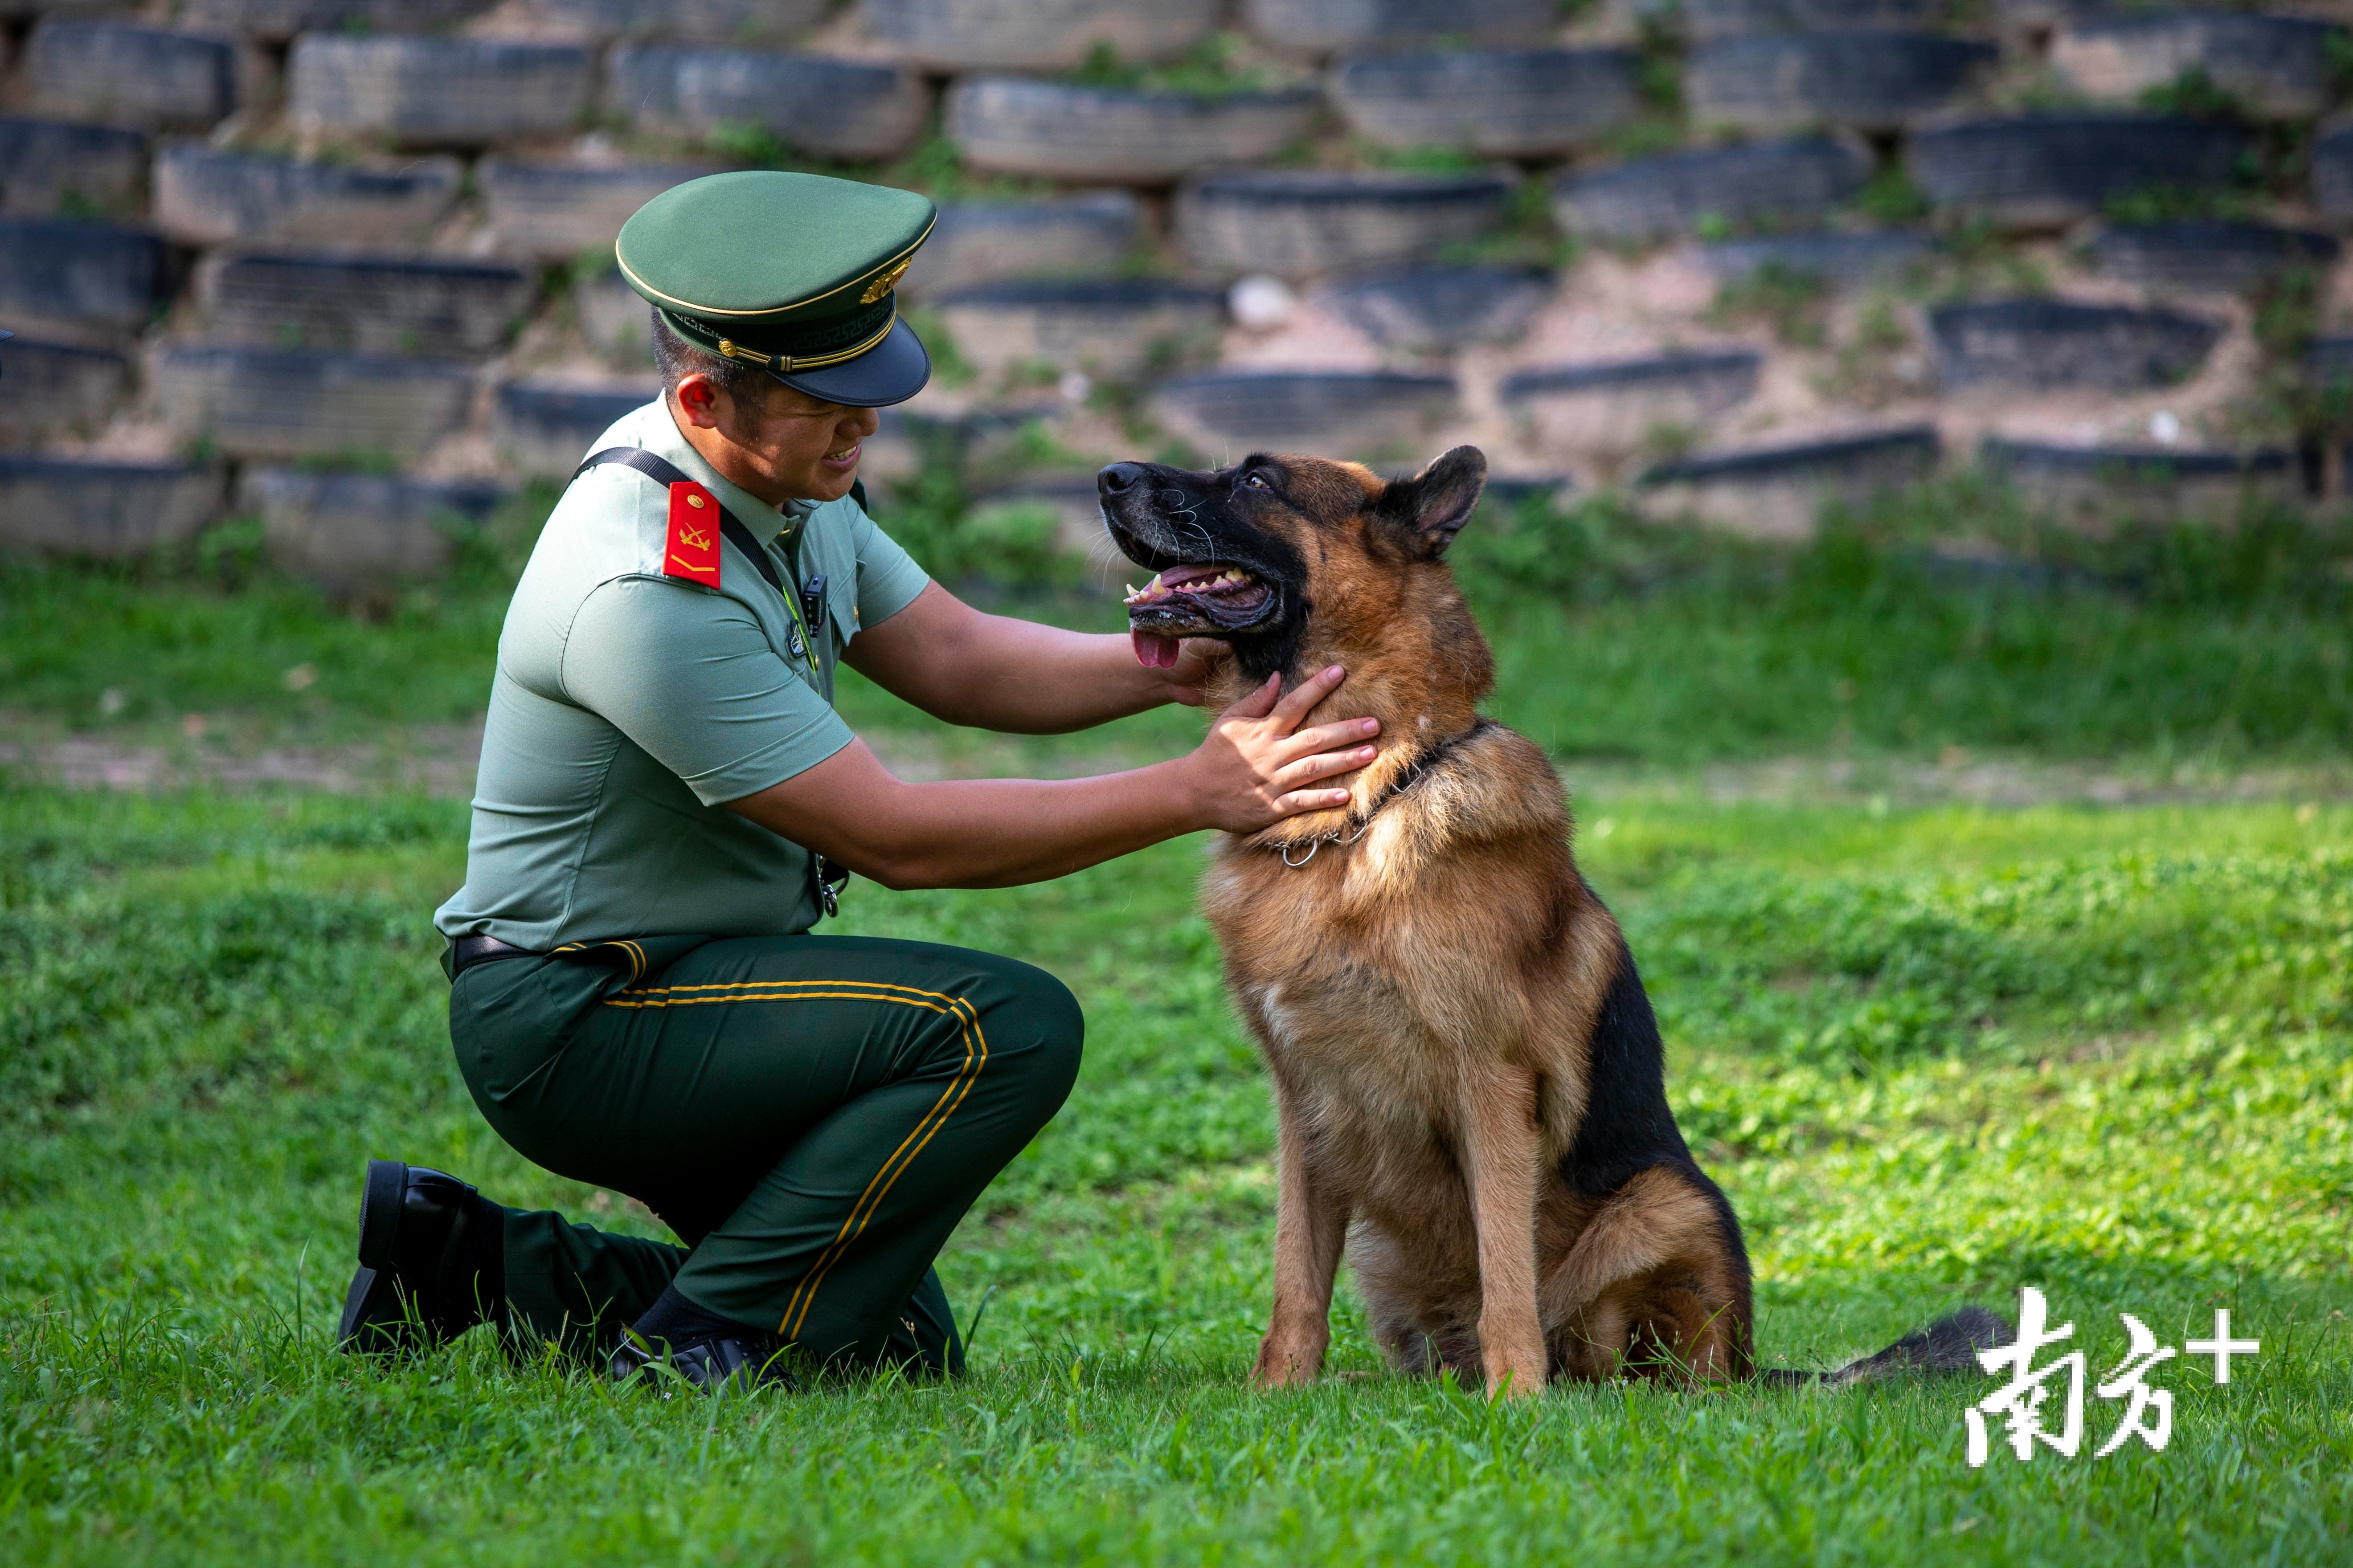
[704, 405]
[1431, 507]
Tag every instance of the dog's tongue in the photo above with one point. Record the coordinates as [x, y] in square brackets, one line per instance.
[1154, 651]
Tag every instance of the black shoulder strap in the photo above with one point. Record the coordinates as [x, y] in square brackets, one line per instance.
[858, 494]
[666, 474]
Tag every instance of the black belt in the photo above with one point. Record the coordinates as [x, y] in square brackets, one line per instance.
[466, 951]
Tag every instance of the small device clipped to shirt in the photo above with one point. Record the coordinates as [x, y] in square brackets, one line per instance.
[813, 601]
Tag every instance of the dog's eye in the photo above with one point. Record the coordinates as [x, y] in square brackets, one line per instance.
[1256, 480]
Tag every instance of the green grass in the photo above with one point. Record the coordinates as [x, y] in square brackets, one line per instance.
[1932, 1053]
[1615, 639]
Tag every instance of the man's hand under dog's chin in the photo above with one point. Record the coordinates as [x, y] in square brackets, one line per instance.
[1196, 658]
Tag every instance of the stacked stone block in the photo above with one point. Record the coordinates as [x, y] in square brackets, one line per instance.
[349, 258]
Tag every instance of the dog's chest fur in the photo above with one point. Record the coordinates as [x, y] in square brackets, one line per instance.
[1388, 978]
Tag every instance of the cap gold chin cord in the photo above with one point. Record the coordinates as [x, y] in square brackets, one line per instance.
[730, 349]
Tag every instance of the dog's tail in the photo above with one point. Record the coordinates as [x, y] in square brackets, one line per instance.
[1949, 1344]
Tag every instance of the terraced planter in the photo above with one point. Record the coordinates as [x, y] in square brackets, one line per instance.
[1841, 260]
[841, 109]
[436, 91]
[907, 445]
[2043, 171]
[2329, 362]
[373, 304]
[902, 447]
[205, 196]
[1298, 223]
[297, 402]
[1333, 413]
[954, 36]
[545, 428]
[982, 445]
[1871, 80]
[2021, 20]
[146, 77]
[2332, 176]
[1645, 199]
[556, 211]
[1071, 501]
[2204, 256]
[1611, 408]
[344, 530]
[1023, 126]
[984, 242]
[1505, 103]
[1437, 308]
[52, 387]
[48, 166]
[280, 19]
[2044, 345]
[1508, 491]
[2095, 488]
[1779, 492]
[72, 272]
[1706, 19]
[693, 21]
[2276, 66]
[1111, 327]
[111, 510]
[1332, 27]
[616, 321]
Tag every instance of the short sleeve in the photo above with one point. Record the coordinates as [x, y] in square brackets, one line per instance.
[692, 679]
[888, 577]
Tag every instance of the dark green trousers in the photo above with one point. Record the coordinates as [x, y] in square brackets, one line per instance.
[811, 1115]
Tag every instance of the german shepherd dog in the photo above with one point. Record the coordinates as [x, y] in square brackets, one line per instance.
[1469, 1079]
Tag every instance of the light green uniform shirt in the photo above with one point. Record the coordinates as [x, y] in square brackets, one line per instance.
[627, 706]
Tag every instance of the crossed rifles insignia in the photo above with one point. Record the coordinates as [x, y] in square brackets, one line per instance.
[691, 552]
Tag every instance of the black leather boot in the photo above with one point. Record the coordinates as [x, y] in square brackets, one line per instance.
[431, 1261]
[711, 1366]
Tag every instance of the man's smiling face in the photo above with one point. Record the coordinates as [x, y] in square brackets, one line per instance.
[810, 448]
[790, 444]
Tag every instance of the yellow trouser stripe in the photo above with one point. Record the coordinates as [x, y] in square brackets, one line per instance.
[975, 1057]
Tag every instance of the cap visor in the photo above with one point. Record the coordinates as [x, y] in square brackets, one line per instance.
[892, 370]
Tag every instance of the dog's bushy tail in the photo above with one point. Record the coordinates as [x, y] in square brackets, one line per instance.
[1949, 1344]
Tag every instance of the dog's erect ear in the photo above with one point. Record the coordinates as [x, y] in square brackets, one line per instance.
[1430, 508]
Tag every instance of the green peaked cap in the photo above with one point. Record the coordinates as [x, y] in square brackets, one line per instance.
[792, 272]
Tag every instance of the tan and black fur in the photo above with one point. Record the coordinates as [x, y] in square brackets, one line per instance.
[1468, 1076]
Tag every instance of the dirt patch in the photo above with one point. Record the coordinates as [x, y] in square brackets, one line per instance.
[439, 760]
[1883, 784]
[432, 759]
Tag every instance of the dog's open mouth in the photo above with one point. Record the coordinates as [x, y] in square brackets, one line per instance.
[1204, 600]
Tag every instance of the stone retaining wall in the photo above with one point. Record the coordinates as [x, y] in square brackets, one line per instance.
[344, 265]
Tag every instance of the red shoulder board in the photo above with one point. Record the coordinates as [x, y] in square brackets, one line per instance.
[693, 550]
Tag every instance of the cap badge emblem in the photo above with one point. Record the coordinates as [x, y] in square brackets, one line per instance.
[884, 284]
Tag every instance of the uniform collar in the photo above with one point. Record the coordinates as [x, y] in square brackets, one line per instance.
[665, 439]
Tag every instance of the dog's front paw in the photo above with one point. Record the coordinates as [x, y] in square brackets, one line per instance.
[1286, 1363]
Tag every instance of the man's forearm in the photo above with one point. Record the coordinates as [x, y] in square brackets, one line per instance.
[1032, 679]
[976, 833]
[995, 672]
[1256, 765]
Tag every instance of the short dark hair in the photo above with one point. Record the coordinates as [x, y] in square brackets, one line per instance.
[675, 357]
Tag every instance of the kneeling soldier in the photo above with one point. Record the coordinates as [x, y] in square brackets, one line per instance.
[665, 792]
